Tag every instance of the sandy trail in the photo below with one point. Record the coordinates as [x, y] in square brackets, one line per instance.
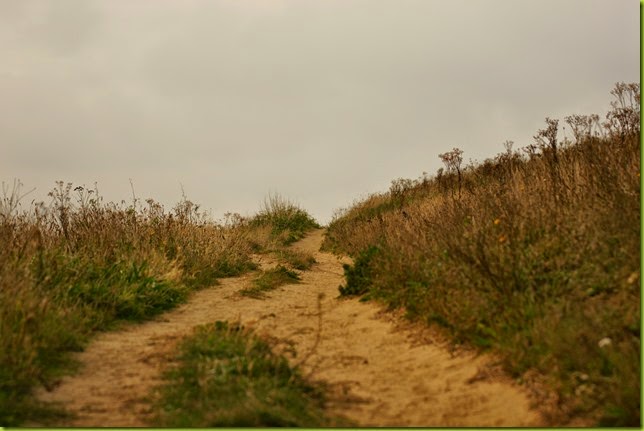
[381, 371]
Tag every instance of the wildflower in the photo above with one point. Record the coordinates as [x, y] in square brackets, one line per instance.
[604, 342]
[502, 239]
[579, 376]
[583, 390]
[633, 277]
[497, 221]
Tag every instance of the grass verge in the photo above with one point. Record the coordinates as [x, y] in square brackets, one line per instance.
[227, 377]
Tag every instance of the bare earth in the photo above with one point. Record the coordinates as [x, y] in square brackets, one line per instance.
[381, 371]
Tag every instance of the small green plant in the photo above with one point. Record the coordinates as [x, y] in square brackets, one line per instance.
[270, 280]
[360, 275]
[227, 377]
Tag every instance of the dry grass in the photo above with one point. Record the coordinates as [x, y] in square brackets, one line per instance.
[79, 265]
[534, 255]
[288, 222]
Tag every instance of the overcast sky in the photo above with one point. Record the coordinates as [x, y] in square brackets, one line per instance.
[323, 101]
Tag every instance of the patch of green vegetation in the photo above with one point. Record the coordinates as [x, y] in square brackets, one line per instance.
[71, 297]
[359, 275]
[109, 291]
[288, 222]
[271, 279]
[228, 377]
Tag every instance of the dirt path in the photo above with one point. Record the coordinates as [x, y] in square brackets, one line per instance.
[381, 371]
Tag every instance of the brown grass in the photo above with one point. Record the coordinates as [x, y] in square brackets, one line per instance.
[79, 265]
[537, 257]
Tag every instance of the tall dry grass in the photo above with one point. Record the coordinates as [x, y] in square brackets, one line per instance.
[79, 265]
[535, 255]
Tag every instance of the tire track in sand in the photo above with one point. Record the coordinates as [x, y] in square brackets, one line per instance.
[380, 371]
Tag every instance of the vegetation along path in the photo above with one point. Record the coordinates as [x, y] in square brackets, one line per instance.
[379, 371]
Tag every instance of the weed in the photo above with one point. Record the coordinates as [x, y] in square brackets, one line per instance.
[453, 161]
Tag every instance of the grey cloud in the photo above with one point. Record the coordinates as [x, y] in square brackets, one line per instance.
[323, 101]
[63, 27]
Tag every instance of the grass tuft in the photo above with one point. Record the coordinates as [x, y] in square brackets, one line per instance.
[296, 259]
[227, 377]
[270, 280]
[288, 222]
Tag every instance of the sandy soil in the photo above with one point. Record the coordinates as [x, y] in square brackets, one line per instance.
[380, 370]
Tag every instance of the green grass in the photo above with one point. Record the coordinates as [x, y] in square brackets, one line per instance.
[271, 279]
[535, 256]
[227, 377]
[359, 274]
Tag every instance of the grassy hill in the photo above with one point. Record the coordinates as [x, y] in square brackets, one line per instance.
[534, 254]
